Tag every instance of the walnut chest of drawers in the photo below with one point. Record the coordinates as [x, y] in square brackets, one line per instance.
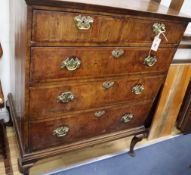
[83, 72]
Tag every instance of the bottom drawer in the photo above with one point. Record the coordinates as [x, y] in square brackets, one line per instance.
[74, 127]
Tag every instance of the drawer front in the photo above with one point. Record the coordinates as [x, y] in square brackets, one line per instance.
[85, 125]
[141, 31]
[61, 27]
[65, 27]
[79, 96]
[83, 62]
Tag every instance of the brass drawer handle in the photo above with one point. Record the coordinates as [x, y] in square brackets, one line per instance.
[66, 97]
[71, 63]
[108, 84]
[61, 131]
[138, 89]
[127, 118]
[99, 113]
[150, 61]
[158, 28]
[117, 53]
[83, 22]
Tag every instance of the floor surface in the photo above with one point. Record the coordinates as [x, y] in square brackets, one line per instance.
[69, 159]
[171, 157]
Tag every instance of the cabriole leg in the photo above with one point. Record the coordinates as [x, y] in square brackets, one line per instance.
[134, 141]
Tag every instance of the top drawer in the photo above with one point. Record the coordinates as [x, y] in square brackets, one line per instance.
[68, 28]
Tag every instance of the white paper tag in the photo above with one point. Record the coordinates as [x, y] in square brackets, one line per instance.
[156, 43]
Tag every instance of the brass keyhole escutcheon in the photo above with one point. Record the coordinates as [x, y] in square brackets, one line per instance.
[138, 89]
[117, 53]
[108, 84]
[126, 118]
[99, 114]
[150, 61]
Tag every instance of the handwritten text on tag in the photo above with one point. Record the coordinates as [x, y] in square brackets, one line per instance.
[156, 43]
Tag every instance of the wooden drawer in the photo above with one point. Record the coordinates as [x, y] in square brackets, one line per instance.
[80, 96]
[86, 125]
[54, 26]
[60, 27]
[46, 62]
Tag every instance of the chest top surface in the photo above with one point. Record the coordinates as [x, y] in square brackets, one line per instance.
[132, 7]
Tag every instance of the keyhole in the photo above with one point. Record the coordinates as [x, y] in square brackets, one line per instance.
[83, 22]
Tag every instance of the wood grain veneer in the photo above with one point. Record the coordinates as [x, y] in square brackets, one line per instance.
[43, 100]
[93, 60]
[53, 26]
[87, 125]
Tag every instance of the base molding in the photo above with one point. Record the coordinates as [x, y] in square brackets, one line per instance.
[27, 160]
